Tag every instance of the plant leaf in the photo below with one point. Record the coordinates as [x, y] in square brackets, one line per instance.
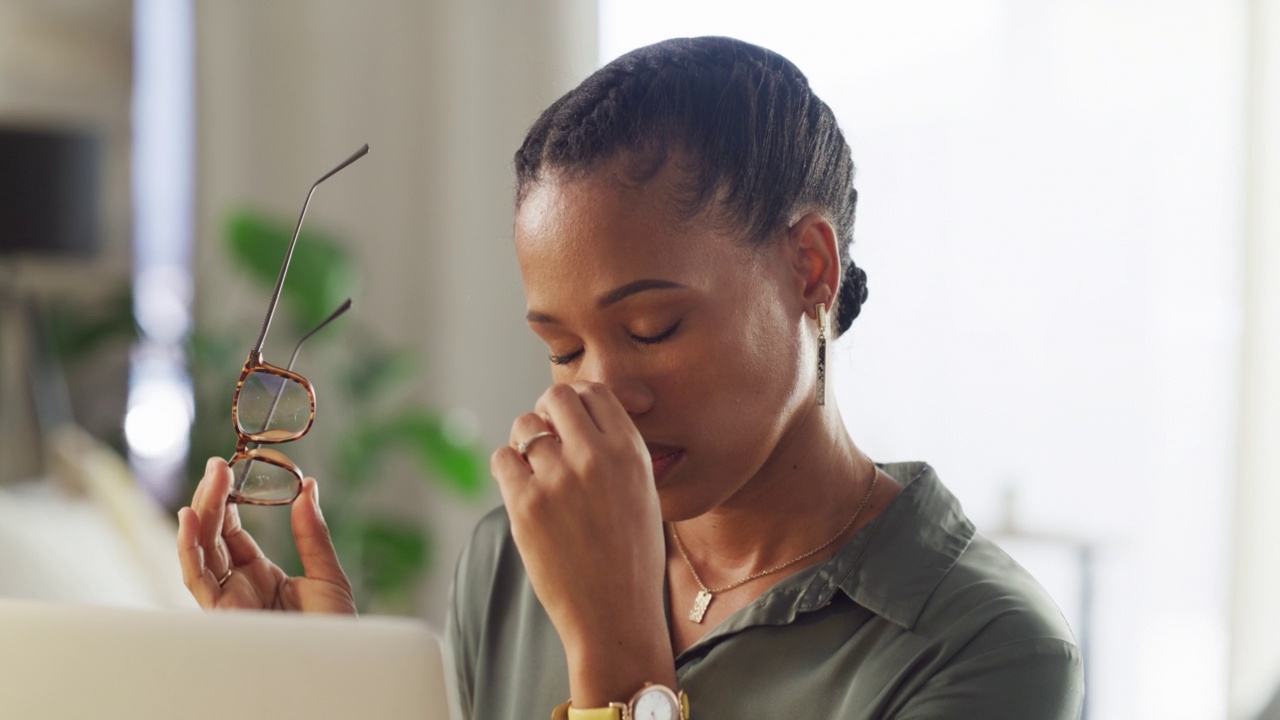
[377, 370]
[360, 452]
[394, 553]
[320, 273]
[76, 333]
[458, 465]
[214, 352]
[420, 431]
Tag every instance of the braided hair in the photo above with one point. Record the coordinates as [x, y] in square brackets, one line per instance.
[747, 129]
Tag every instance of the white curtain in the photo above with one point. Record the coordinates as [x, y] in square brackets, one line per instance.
[1255, 656]
[443, 92]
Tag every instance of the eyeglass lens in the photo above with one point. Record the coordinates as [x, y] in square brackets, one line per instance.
[259, 481]
[272, 408]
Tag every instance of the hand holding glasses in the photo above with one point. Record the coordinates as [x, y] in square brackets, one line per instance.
[274, 405]
[222, 565]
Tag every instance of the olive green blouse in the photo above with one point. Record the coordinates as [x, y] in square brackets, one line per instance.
[916, 616]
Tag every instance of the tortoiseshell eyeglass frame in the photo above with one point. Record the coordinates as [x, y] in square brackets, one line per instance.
[255, 363]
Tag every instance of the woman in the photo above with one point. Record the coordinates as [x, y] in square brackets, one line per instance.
[686, 521]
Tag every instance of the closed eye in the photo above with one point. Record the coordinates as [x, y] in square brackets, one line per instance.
[564, 359]
[642, 339]
[654, 339]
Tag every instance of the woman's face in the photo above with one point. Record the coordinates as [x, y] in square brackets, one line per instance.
[697, 335]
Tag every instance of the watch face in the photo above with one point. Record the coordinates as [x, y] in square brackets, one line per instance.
[656, 703]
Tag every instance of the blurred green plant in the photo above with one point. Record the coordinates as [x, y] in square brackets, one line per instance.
[369, 424]
[76, 332]
[366, 418]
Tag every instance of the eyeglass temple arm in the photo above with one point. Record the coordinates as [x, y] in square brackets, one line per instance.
[345, 306]
[275, 295]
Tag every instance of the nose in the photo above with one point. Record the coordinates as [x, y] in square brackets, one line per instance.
[632, 390]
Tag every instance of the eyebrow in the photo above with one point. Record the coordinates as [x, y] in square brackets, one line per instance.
[614, 296]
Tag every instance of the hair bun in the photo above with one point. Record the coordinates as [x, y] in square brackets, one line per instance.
[853, 293]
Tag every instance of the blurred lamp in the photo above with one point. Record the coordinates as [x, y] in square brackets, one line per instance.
[49, 192]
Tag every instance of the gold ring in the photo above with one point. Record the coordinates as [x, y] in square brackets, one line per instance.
[223, 580]
[523, 448]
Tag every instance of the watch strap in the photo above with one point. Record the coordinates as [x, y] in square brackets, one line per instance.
[566, 711]
[614, 711]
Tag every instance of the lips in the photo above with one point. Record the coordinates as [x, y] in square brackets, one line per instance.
[664, 458]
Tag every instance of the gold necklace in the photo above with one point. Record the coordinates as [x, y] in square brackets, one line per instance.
[703, 600]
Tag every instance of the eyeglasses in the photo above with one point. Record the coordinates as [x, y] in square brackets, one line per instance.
[275, 405]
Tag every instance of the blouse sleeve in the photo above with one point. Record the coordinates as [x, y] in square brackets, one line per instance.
[1035, 679]
[458, 649]
[472, 585]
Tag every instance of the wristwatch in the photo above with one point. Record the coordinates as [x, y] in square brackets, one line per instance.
[651, 702]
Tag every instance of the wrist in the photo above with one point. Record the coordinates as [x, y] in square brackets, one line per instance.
[599, 676]
[611, 666]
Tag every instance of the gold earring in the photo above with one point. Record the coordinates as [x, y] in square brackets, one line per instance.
[822, 353]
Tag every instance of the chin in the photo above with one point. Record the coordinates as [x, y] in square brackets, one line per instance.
[685, 502]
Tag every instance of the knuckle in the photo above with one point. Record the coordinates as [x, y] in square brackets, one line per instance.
[560, 392]
[527, 420]
[499, 458]
[521, 426]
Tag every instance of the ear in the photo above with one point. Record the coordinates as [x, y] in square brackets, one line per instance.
[815, 261]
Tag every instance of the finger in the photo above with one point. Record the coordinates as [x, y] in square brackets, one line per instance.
[511, 472]
[546, 448]
[198, 497]
[311, 533]
[212, 511]
[605, 408]
[562, 404]
[526, 426]
[240, 544]
[195, 574]
[201, 497]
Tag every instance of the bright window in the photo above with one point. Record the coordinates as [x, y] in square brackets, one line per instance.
[160, 403]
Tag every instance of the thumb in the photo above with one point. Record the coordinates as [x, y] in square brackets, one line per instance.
[311, 534]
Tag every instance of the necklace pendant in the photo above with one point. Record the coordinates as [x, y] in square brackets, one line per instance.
[700, 604]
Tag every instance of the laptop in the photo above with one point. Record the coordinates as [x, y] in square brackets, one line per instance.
[79, 661]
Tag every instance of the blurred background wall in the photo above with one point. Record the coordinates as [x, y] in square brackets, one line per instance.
[65, 67]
